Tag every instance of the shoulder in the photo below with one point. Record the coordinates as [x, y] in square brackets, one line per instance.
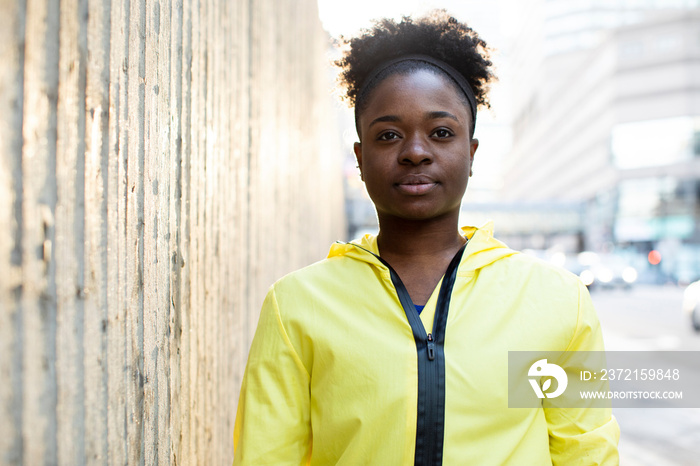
[541, 266]
[322, 270]
[536, 287]
[534, 270]
[550, 302]
[328, 277]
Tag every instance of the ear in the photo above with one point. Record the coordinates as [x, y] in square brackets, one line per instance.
[473, 146]
[357, 148]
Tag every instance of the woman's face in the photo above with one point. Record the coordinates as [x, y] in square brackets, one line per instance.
[415, 153]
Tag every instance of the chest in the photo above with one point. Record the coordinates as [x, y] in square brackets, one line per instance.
[420, 280]
[421, 287]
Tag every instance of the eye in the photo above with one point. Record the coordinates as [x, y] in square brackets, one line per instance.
[388, 136]
[442, 133]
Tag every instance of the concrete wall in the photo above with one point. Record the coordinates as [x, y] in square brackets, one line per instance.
[161, 163]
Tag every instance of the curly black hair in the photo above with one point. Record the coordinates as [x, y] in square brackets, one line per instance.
[437, 34]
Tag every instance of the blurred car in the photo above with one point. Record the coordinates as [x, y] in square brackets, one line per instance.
[603, 270]
[691, 304]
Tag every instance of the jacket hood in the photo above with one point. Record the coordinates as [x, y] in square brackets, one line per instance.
[483, 249]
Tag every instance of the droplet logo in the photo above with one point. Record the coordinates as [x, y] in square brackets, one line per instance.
[542, 369]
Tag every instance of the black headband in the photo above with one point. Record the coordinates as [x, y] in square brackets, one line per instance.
[456, 76]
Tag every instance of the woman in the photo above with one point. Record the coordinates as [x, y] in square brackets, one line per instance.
[393, 350]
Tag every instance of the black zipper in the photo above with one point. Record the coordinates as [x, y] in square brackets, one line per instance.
[430, 348]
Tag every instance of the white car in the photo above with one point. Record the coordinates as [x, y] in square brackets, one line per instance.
[691, 304]
[604, 270]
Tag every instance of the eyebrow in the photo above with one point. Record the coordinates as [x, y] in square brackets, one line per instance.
[384, 118]
[428, 116]
[440, 114]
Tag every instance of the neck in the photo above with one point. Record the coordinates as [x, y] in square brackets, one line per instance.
[416, 239]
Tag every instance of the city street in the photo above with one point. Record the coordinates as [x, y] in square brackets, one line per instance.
[649, 318]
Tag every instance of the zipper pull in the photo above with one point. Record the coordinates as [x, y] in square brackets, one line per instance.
[431, 347]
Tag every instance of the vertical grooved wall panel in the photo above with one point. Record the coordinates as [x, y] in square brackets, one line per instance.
[38, 293]
[162, 162]
[12, 29]
[70, 234]
[96, 156]
[117, 369]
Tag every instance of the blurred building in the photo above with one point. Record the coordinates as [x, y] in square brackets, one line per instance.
[606, 100]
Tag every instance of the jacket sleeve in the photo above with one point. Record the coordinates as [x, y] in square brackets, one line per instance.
[583, 436]
[273, 417]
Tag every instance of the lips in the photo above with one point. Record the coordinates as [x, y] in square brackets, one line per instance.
[416, 184]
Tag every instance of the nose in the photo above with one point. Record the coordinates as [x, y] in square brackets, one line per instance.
[415, 151]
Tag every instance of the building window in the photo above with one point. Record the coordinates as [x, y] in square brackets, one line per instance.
[655, 142]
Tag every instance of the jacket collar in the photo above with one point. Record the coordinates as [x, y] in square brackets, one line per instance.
[483, 249]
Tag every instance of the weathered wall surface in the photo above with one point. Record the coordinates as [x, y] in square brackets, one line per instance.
[161, 163]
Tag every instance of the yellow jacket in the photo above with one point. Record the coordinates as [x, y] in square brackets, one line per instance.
[338, 374]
